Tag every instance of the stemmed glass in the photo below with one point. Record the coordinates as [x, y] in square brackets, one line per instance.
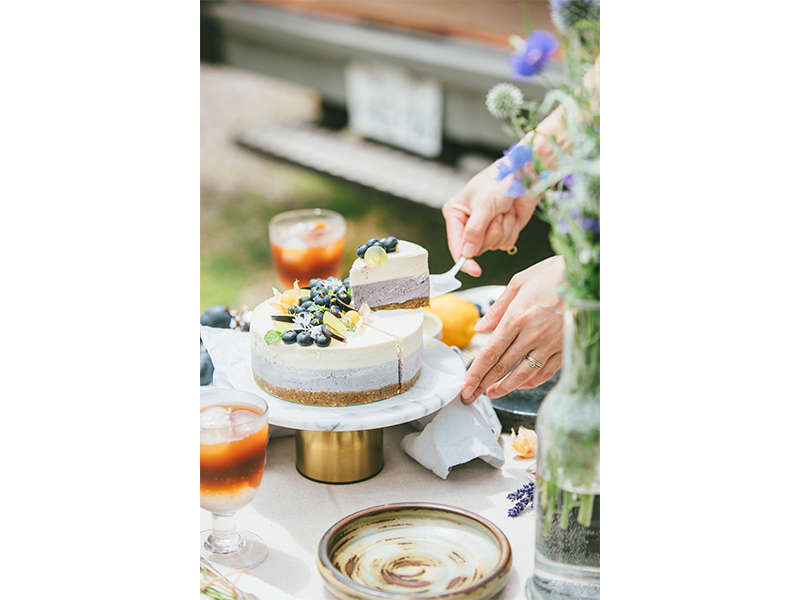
[234, 429]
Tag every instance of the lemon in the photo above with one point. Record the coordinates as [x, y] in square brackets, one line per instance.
[458, 319]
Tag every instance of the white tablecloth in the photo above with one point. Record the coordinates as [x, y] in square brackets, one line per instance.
[291, 513]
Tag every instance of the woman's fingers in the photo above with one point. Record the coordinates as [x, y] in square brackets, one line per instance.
[527, 319]
[526, 376]
[502, 364]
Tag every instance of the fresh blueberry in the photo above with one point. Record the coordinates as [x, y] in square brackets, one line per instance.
[336, 311]
[289, 337]
[362, 249]
[316, 322]
[216, 316]
[390, 243]
[320, 314]
[304, 299]
[306, 305]
[373, 242]
[322, 340]
[314, 283]
[323, 300]
[344, 297]
[206, 368]
[346, 282]
[304, 338]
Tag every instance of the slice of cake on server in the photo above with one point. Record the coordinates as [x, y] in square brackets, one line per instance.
[390, 274]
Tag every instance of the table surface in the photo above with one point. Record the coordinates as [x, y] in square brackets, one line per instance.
[292, 513]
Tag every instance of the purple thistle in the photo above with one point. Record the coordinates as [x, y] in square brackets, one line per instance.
[532, 57]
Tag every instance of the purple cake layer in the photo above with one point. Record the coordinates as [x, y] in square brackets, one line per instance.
[322, 380]
[397, 293]
[336, 388]
[410, 367]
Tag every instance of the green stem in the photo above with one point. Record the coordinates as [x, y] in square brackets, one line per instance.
[586, 504]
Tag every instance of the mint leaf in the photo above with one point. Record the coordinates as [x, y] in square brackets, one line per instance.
[272, 337]
[316, 307]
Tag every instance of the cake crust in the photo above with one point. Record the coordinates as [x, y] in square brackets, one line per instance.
[413, 303]
[332, 398]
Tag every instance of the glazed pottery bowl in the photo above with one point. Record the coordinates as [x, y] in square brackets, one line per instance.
[420, 551]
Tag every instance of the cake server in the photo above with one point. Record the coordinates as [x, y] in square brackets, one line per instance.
[446, 282]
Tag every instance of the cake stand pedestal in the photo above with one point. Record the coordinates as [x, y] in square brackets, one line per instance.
[345, 444]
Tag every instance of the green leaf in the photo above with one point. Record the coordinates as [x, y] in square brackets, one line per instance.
[272, 337]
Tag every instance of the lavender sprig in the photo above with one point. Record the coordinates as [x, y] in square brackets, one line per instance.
[524, 496]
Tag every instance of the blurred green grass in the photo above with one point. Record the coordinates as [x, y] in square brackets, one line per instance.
[236, 262]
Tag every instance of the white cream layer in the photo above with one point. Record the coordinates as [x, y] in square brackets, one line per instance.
[409, 260]
[365, 348]
[403, 325]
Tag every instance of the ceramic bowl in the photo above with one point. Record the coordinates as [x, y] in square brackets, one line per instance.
[420, 551]
[432, 325]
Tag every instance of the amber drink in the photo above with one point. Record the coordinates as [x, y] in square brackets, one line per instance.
[231, 468]
[234, 429]
[306, 244]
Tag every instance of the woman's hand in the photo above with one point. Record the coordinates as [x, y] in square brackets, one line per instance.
[528, 320]
[481, 218]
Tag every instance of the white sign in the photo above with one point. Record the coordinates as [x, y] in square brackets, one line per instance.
[392, 105]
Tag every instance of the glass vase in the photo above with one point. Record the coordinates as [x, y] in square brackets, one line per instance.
[567, 553]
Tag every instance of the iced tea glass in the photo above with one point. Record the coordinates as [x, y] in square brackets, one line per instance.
[306, 244]
[234, 428]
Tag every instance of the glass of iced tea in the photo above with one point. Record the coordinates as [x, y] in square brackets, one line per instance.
[234, 429]
[306, 244]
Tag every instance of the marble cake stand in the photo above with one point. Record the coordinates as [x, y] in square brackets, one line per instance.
[345, 444]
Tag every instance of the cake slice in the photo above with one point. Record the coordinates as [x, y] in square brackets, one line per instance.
[402, 281]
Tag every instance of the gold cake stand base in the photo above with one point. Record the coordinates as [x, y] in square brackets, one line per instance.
[339, 456]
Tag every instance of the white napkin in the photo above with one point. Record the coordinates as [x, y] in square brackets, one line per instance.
[453, 435]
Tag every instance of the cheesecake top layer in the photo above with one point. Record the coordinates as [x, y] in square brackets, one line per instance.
[409, 260]
[378, 340]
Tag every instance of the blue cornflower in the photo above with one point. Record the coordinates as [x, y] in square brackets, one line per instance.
[513, 160]
[530, 59]
[566, 183]
[517, 161]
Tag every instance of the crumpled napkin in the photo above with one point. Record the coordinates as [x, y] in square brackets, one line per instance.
[455, 434]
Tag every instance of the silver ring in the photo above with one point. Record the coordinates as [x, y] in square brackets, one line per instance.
[535, 364]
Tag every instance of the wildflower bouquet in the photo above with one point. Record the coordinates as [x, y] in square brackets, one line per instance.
[563, 168]
[557, 159]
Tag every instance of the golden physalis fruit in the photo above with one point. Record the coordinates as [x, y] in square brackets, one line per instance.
[524, 442]
[458, 319]
[288, 297]
[375, 256]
